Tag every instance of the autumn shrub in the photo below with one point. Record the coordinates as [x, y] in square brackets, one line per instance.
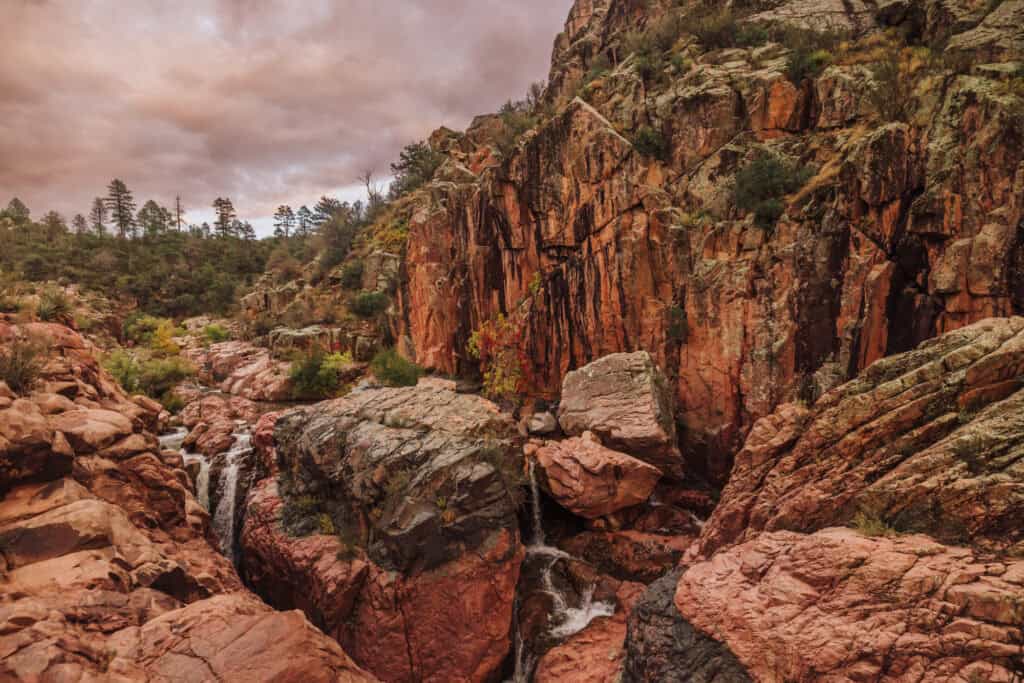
[391, 369]
[21, 364]
[499, 345]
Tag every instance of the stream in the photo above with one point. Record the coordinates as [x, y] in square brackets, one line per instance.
[564, 620]
[224, 517]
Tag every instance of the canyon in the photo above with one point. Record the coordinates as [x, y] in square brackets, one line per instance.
[657, 436]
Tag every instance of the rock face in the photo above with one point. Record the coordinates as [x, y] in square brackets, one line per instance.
[591, 245]
[403, 506]
[923, 442]
[107, 571]
[590, 480]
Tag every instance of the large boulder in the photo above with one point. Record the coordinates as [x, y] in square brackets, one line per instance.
[451, 622]
[838, 605]
[401, 505]
[625, 400]
[590, 480]
[815, 563]
[241, 369]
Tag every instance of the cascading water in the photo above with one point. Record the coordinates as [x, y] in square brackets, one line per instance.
[224, 515]
[565, 620]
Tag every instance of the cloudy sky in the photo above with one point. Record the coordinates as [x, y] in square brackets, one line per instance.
[265, 101]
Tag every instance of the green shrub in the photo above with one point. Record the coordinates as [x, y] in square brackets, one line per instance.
[216, 333]
[805, 62]
[124, 368]
[715, 29]
[651, 143]
[140, 328]
[393, 370]
[315, 375]
[159, 375]
[871, 524]
[515, 124]
[55, 307]
[172, 403]
[761, 185]
[369, 304]
[889, 96]
[599, 66]
[752, 35]
[21, 364]
[153, 377]
[352, 275]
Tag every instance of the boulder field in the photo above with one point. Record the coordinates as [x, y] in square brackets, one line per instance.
[873, 535]
[107, 571]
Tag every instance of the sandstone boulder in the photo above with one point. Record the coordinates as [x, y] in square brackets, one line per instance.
[432, 472]
[590, 480]
[625, 400]
[400, 626]
[91, 430]
[802, 607]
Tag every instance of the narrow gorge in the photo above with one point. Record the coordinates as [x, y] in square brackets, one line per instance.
[705, 363]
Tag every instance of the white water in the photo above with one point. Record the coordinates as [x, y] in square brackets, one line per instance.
[224, 515]
[567, 620]
[173, 440]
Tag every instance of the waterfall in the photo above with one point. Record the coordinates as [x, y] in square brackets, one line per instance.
[224, 515]
[565, 620]
[202, 479]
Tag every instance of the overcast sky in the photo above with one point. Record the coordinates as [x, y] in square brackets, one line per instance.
[264, 101]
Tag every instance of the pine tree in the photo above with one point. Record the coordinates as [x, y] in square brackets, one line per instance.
[121, 205]
[284, 221]
[325, 210]
[98, 216]
[303, 221]
[80, 225]
[245, 230]
[226, 216]
[178, 212]
[54, 224]
[153, 218]
[17, 211]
